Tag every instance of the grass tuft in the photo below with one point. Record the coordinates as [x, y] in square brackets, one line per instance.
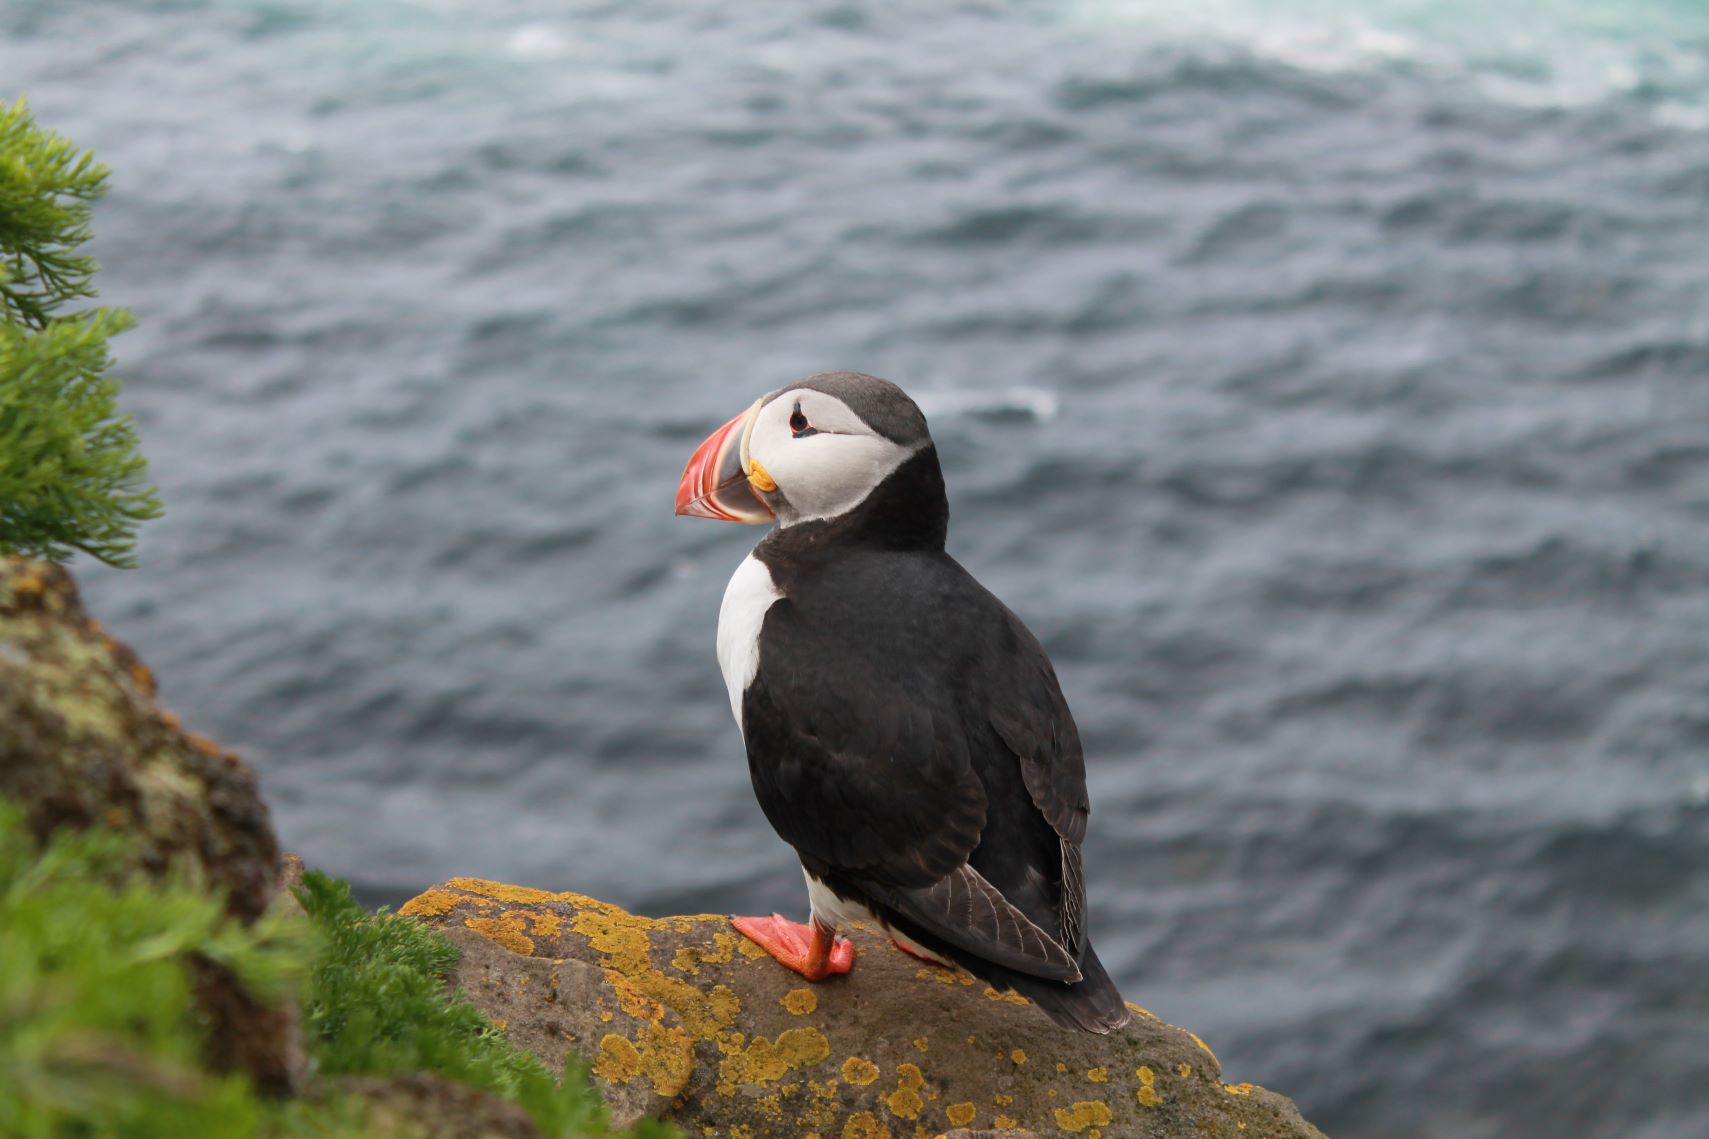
[99, 1039]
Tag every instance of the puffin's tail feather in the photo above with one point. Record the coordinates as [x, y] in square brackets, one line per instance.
[1092, 1004]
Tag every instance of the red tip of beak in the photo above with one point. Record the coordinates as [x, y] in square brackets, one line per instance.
[715, 482]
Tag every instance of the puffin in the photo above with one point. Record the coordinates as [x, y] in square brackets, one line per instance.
[905, 732]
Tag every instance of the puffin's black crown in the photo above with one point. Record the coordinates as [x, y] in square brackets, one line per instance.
[884, 407]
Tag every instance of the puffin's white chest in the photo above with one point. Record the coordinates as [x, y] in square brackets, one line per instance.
[746, 599]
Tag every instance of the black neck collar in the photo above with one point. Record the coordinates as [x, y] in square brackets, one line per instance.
[907, 511]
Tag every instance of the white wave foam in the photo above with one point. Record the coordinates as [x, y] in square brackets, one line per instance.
[1562, 53]
[537, 41]
[1033, 403]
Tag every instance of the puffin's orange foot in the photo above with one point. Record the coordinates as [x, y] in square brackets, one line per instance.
[811, 950]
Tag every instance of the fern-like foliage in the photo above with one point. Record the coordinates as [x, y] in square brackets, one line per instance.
[98, 1033]
[46, 188]
[97, 1037]
[71, 477]
[376, 1005]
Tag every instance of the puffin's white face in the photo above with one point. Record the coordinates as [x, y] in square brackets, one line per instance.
[804, 452]
[821, 457]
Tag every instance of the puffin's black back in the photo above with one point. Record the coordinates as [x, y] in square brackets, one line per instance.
[903, 720]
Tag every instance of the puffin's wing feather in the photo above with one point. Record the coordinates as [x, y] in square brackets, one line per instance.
[1073, 899]
[969, 912]
[1032, 719]
[888, 793]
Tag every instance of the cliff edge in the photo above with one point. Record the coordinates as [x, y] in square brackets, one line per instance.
[682, 1018]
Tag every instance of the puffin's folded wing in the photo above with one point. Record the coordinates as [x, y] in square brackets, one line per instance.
[972, 914]
[1032, 718]
[890, 796]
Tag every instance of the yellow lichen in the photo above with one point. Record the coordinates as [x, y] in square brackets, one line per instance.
[619, 1060]
[905, 1101]
[546, 923]
[1146, 1075]
[961, 1114]
[859, 1071]
[920, 1043]
[1086, 1113]
[1148, 1096]
[1005, 1100]
[1018, 1056]
[1237, 1089]
[520, 895]
[690, 958]
[616, 936]
[799, 1001]
[1184, 1069]
[1098, 1075]
[750, 950]
[1146, 1013]
[703, 919]
[864, 1125]
[631, 999]
[941, 976]
[1203, 1045]
[1007, 998]
[1004, 1123]
[703, 1013]
[764, 1062]
[821, 1112]
[623, 941]
[1061, 1067]
[667, 1058]
[506, 930]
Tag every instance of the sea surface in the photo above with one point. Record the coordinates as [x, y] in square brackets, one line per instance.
[1325, 382]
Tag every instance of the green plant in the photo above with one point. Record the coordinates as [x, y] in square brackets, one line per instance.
[377, 1005]
[96, 1034]
[71, 477]
[99, 1040]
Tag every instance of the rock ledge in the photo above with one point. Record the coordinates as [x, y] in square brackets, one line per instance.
[682, 1018]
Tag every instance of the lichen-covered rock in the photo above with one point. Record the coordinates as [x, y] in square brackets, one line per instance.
[82, 743]
[553, 1006]
[684, 1018]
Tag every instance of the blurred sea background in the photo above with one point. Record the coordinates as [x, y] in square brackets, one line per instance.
[1326, 382]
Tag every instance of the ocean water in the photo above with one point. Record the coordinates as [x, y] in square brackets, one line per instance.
[1326, 383]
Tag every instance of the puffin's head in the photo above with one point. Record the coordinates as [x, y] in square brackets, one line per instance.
[814, 449]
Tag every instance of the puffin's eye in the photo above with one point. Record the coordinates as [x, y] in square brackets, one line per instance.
[798, 423]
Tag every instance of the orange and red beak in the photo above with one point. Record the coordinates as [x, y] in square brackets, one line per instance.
[719, 480]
